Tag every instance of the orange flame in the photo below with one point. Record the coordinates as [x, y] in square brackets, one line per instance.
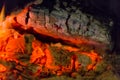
[2, 14]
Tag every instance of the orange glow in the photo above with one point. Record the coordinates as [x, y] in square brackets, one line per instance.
[37, 54]
[2, 14]
[69, 48]
[2, 68]
[13, 45]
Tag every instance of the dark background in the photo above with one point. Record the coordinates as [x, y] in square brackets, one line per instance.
[11, 5]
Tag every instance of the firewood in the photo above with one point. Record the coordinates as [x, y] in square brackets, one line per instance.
[74, 28]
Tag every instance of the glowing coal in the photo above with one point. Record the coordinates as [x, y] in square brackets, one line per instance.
[24, 56]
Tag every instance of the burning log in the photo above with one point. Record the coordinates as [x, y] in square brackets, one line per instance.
[74, 28]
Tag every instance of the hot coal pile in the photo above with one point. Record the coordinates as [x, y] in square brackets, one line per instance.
[22, 57]
[38, 45]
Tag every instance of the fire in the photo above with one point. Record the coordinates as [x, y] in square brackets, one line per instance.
[2, 68]
[15, 46]
[2, 14]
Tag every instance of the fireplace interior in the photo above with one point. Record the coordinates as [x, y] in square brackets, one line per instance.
[59, 40]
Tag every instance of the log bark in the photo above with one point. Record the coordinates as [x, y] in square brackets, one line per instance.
[74, 27]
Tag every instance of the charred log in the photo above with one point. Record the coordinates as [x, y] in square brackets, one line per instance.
[76, 27]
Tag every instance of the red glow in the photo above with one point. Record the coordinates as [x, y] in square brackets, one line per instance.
[12, 45]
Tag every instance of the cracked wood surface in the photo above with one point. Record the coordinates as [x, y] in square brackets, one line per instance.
[74, 27]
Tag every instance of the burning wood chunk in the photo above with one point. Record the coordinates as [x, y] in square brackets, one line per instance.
[76, 28]
[61, 57]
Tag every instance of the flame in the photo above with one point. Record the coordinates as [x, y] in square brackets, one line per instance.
[5, 21]
[2, 14]
[12, 44]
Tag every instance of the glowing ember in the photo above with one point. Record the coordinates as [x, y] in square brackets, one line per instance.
[30, 57]
[2, 68]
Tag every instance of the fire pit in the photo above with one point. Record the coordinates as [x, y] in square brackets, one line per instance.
[40, 44]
